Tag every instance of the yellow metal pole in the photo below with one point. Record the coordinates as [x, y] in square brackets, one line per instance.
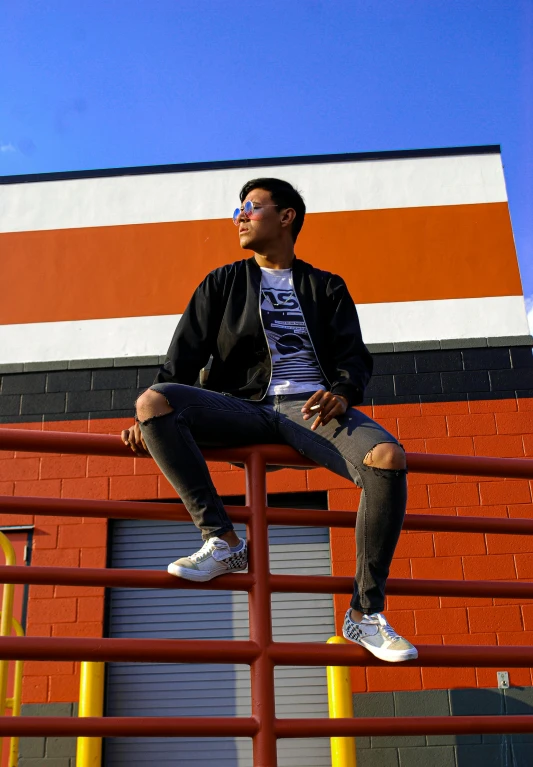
[14, 703]
[5, 623]
[16, 699]
[89, 750]
[340, 707]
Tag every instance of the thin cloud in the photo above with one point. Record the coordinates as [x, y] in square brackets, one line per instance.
[7, 148]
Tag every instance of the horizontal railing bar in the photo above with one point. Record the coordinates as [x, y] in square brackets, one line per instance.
[470, 465]
[451, 656]
[325, 584]
[403, 725]
[63, 442]
[119, 578]
[417, 463]
[134, 650]
[296, 584]
[278, 455]
[75, 507]
[135, 726]
[236, 651]
[425, 522]
[111, 445]
[80, 507]
[443, 523]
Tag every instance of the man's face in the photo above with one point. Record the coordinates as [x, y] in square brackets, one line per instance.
[264, 227]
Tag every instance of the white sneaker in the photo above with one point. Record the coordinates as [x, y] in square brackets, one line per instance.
[375, 634]
[214, 558]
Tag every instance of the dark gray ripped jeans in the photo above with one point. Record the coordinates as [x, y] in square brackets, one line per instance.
[203, 419]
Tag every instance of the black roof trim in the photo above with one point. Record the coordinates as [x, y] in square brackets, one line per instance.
[262, 162]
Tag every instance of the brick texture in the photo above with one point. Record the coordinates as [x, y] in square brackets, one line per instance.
[51, 751]
[449, 402]
[494, 427]
[63, 610]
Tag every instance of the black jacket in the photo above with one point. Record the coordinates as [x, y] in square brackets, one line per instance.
[223, 320]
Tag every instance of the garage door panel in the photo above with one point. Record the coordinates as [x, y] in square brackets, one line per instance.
[211, 689]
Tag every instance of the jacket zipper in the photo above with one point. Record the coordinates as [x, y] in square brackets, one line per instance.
[247, 399]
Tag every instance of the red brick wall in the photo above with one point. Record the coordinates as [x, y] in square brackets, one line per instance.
[82, 542]
[496, 427]
[59, 541]
[501, 428]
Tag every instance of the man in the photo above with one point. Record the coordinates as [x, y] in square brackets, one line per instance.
[288, 366]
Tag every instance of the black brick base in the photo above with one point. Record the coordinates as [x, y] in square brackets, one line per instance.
[399, 378]
[426, 376]
[48, 752]
[446, 750]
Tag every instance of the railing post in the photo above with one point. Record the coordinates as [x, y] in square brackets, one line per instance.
[91, 703]
[263, 725]
[340, 707]
[6, 623]
[260, 614]
[14, 703]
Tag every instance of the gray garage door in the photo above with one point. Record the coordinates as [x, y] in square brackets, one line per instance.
[135, 689]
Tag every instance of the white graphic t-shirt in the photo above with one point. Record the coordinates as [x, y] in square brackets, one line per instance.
[295, 366]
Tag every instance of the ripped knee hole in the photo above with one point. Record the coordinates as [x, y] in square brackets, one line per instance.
[146, 413]
[151, 418]
[387, 456]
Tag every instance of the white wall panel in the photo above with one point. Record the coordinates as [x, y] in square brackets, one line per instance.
[381, 323]
[212, 194]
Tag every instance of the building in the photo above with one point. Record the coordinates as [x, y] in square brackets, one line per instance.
[98, 266]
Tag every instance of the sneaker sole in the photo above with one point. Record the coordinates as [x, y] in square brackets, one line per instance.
[196, 575]
[391, 657]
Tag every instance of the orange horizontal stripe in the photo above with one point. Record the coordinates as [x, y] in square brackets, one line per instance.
[407, 254]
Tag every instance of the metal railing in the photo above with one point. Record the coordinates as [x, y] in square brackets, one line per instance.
[8, 624]
[91, 703]
[260, 652]
[340, 706]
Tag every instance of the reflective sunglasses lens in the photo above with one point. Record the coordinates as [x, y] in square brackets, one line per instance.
[247, 209]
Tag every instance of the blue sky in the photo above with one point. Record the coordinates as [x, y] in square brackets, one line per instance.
[107, 84]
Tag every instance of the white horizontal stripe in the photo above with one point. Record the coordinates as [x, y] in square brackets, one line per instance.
[201, 195]
[141, 336]
[446, 318]
[87, 339]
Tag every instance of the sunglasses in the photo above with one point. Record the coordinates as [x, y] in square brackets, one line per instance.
[250, 210]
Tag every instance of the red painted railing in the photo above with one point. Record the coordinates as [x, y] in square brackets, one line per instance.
[259, 652]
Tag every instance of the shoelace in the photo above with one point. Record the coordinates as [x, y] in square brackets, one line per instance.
[206, 549]
[209, 549]
[390, 633]
[385, 627]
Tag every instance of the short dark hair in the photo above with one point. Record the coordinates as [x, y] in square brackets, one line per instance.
[283, 194]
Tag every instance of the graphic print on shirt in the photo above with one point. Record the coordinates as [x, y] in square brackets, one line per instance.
[293, 357]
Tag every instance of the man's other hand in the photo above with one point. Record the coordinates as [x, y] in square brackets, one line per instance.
[327, 405]
[134, 439]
